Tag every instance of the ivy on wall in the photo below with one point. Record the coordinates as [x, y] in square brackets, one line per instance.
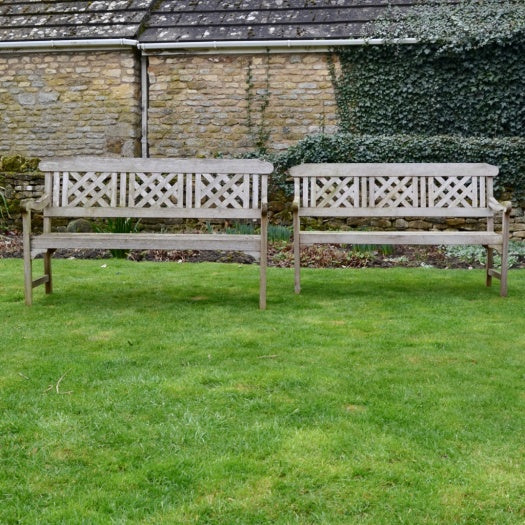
[257, 102]
[466, 76]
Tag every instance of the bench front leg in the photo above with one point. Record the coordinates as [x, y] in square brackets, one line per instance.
[296, 245]
[505, 232]
[264, 256]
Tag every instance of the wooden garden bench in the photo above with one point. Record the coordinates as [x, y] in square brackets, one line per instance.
[94, 187]
[400, 191]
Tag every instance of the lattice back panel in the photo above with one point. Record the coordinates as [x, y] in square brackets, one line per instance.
[146, 190]
[392, 192]
[87, 189]
[461, 192]
[158, 190]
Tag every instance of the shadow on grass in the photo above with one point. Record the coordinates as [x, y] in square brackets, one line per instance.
[404, 283]
[221, 286]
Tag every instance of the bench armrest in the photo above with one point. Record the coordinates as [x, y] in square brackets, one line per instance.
[264, 209]
[504, 207]
[295, 204]
[36, 205]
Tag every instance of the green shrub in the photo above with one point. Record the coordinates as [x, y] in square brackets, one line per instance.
[507, 153]
[18, 164]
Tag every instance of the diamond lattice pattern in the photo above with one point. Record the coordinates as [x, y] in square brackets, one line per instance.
[393, 192]
[89, 189]
[231, 191]
[461, 192]
[340, 192]
[155, 190]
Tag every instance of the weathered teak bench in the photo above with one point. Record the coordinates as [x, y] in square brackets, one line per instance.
[95, 187]
[400, 190]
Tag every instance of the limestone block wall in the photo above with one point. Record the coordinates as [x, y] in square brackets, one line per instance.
[54, 104]
[201, 105]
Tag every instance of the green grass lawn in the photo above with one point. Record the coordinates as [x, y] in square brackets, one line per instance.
[159, 393]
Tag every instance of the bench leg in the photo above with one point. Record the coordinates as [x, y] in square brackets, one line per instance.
[504, 268]
[28, 263]
[505, 252]
[489, 264]
[47, 270]
[263, 262]
[297, 253]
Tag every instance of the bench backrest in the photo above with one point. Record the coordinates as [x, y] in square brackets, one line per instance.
[394, 190]
[156, 188]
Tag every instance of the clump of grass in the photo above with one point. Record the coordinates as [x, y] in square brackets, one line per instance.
[275, 232]
[3, 203]
[119, 225]
[384, 249]
[241, 228]
[279, 233]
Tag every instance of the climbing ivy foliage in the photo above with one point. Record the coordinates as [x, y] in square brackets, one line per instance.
[465, 76]
[453, 26]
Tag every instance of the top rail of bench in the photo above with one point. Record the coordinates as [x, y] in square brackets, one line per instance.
[403, 169]
[152, 165]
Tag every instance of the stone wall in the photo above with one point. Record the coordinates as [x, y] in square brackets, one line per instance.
[16, 188]
[202, 105]
[54, 104]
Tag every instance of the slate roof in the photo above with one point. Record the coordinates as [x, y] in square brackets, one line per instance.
[188, 20]
[71, 19]
[219, 20]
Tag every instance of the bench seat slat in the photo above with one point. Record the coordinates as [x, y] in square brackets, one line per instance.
[397, 237]
[147, 241]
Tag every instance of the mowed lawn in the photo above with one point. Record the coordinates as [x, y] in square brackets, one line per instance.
[159, 393]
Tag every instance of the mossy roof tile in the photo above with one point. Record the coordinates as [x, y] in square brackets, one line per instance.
[189, 20]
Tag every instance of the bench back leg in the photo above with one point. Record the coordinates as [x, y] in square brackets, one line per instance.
[47, 271]
[504, 266]
[489, 264]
